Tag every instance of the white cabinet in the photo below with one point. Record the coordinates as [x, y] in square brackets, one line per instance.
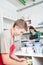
[37, 59]
[40, 28]
[7, 23]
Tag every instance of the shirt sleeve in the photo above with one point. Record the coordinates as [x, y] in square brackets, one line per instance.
[39, 34]
[30, 36]
[5, 43]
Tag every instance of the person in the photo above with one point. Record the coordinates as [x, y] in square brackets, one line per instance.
[7, 47]
[34, 37]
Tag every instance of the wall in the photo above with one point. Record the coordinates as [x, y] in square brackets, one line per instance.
[7, 10]
[1, 20]
[35, 13]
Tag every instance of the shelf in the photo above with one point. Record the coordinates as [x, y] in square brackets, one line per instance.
[37, 59]
[39, 26]
[41, 36]
[26, 33]
[24, 40]
[19, 53]
[29, 33]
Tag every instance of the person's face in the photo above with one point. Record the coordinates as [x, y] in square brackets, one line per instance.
[18, 31]
[32, 31]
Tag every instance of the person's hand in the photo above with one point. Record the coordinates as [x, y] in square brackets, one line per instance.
[22, 59]
[33, 40]
[24, 63]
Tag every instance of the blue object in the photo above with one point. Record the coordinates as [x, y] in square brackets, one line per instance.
[28, 44]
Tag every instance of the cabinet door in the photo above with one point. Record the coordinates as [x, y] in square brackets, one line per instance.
[7, 23]
[37, 61]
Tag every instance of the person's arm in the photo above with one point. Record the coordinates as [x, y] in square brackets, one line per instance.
[37, 39]
[14, 57]
[30, 38]
[8, 61]
[38, 33]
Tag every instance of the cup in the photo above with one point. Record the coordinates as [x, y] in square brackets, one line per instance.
[29, 50]
[23, 49]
